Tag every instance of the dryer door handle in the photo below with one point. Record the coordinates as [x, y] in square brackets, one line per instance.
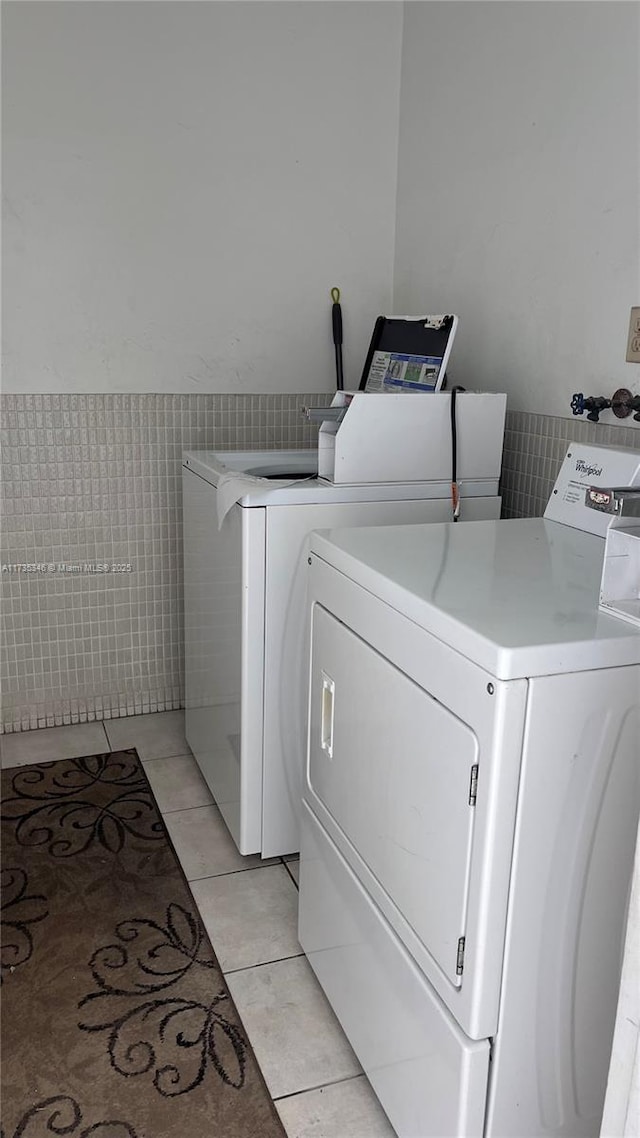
[326, 718]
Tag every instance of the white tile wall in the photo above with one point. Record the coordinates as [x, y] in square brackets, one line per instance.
[96, 479]
[534, 447]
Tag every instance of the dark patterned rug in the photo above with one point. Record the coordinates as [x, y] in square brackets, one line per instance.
[116, 1018]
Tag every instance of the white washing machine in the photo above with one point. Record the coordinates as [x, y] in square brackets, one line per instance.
[245, 607]
[470, 806]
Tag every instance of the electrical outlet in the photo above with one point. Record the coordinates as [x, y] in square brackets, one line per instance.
[633, 343]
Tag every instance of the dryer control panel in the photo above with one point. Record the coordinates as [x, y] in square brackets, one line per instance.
[586, 467]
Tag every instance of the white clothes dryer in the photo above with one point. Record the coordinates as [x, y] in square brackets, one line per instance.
[470, 805]
[246, 526]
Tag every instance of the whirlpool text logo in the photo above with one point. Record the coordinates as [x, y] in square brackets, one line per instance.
[583, 467]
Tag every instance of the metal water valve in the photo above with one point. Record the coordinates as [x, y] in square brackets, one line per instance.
[593, 404]
[622, 403]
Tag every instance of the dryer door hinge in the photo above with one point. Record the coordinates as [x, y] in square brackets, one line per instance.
[473, 785]
[460, 957]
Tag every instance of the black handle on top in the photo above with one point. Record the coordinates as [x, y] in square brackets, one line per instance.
[336, 320]
[336, 323]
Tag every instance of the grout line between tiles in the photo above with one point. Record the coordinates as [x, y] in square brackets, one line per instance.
[286, 866]
[262, 964]
[156, 758]
[227, 872]
[181, 809]
[244, 869]
[187, 809]
[159, 758]
[108, 739]
[319, 1087]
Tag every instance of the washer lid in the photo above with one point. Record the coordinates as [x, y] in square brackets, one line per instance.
[296, 488]
[519, 598]
[212, 464]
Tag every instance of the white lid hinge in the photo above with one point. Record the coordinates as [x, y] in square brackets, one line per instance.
[473, 785]
[460, 957]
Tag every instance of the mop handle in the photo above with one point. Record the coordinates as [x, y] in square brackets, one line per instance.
[336, 321]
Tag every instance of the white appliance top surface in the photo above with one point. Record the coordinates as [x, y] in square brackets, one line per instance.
[519, 597]
[259, 463]
[298, 488]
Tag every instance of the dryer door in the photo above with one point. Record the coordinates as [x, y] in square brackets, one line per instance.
[396, 771]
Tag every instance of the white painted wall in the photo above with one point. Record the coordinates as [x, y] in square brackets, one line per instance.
[518, 191]
[185, 182]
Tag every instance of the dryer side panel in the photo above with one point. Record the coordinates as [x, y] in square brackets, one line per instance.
[575, 836]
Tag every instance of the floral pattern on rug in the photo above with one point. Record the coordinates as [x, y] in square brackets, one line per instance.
[117, 1021]
[19, 910]
[174, 1037]
[55, 807]
[61, 1114]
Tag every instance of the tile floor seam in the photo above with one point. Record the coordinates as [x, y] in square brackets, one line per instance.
[230, 873]
[186, 809]
[244, 869]
[149, 758]
[319, 1087]
[159, 758]
[262, 964]
[286, 866]
[227, 872]
[183, 809]
[25, 741]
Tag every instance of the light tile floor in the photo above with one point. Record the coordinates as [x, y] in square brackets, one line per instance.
[50, 743]
[249, 908]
